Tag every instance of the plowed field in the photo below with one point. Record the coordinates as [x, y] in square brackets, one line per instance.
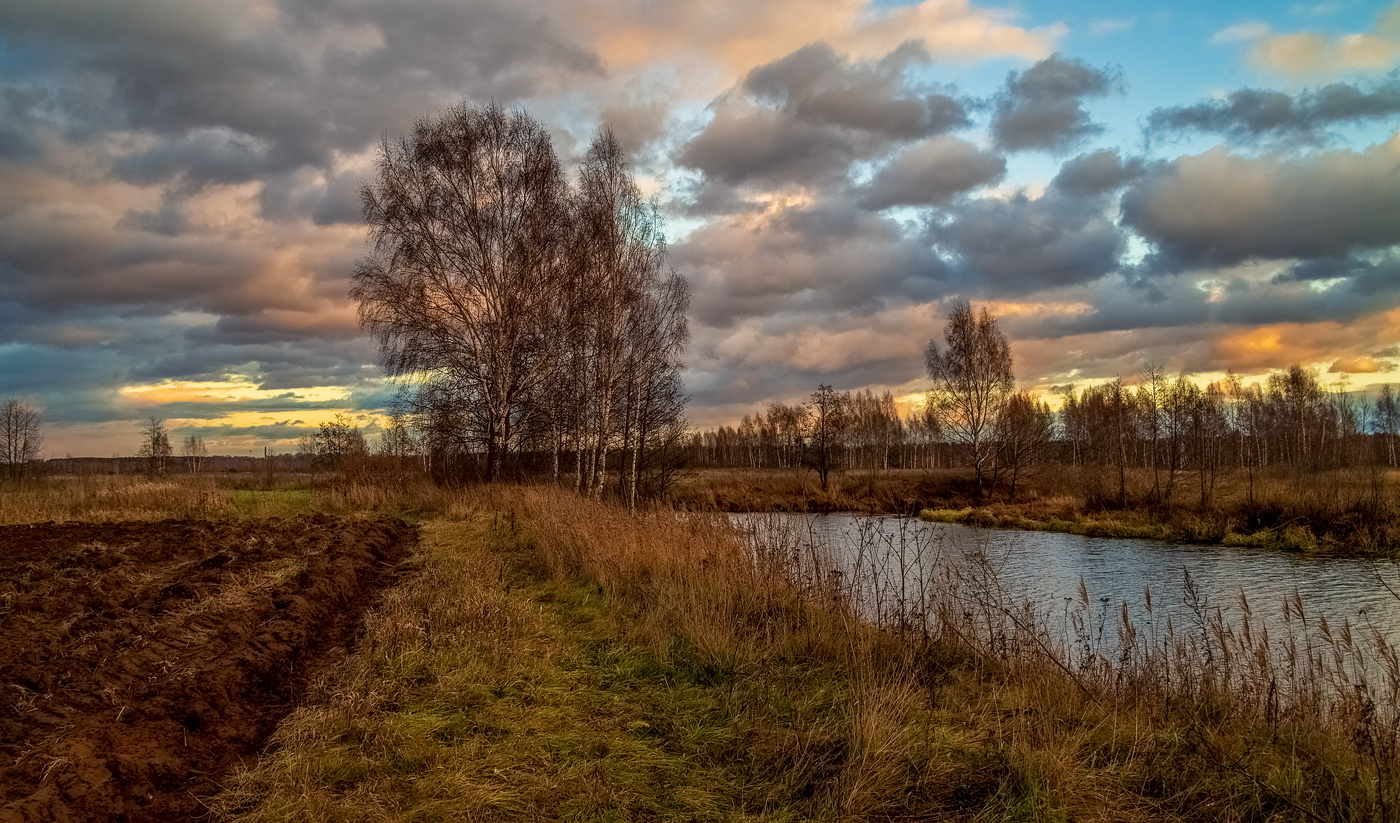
[140, 662]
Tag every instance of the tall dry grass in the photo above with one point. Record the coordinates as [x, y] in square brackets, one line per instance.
[1304, 719]
[103, 498]
[1098, 717]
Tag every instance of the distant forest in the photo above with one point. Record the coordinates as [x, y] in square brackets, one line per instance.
[1186, 434]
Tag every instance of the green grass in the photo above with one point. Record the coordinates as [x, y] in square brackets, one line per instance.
[531, 707]
[270, 502]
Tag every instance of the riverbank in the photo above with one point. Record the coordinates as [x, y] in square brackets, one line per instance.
[555, 658]
[1347, 513]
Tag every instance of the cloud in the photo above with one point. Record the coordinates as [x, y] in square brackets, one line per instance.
[1252, 114]
[1371, 278]
[740, 34]
[1240, 32]
[1042, 107]
[805, 117]
[1019, 245]
[1320, 54]
[1359, 365]
[822, 257]
[230, 91]
[1097, 172]
[1218, 208]
[932, 172]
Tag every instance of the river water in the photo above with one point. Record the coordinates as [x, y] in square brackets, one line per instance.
[1078, 589]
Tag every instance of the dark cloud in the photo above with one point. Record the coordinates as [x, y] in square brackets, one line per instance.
[806, 117]
[744, 143]
[228, 96]
[815, 85]
[168, 220]
[819, 258]
[1218, 208]
[1020, 245]
[1369, 278]
[931, 173]
[1097, 172]
[1254, 114]
[1042, 107]
[326, 198]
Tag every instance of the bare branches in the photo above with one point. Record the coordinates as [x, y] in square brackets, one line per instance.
[524, 312]
[20, 440]
[155, 446]
[971, 382]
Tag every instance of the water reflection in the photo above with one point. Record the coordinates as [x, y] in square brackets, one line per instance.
[1046, 570]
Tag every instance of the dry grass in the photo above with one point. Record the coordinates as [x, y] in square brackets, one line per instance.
[554, 658]
[550, 657]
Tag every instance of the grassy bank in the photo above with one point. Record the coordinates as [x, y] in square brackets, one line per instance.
[552, 658]
[1340, 512]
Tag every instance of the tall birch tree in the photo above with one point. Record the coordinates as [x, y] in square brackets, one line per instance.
[971, 383]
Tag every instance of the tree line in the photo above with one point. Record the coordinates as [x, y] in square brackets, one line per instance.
[1183, 434]
[523, 314]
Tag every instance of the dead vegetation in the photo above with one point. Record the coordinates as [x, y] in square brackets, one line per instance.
[556, 658]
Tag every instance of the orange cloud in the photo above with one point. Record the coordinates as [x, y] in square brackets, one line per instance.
[1309, 53]
[739, 35]
[1360, 365]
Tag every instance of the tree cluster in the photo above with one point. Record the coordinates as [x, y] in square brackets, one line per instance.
[20, 440]
[835, 430]
[155, 446]
[524, 315]
[1180, 431]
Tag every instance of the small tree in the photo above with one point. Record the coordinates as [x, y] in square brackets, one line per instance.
[826, 419]
[1025, 428]
[971, 382]
[20, 440]
[192, 448]
[155, 446]
[339, 444]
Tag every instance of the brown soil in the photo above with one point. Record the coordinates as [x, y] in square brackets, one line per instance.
[140, 662]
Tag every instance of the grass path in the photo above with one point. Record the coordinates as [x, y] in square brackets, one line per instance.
[483, 693]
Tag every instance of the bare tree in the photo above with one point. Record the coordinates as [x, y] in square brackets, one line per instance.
[627, 320]
[340, 446]
[971, 382]
[1387, 422]
[1024, 429]
[194, 451]
[155, 446]
[20, 440]
[826, 420]
[397, 443]
[466, 221]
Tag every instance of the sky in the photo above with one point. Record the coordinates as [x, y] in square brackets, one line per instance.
[1198, 185]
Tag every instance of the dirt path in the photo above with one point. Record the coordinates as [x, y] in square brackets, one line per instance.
[140, 662]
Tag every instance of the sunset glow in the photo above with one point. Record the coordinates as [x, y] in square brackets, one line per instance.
[1208, 188]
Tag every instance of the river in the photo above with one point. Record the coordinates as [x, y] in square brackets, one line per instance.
[1078, 590]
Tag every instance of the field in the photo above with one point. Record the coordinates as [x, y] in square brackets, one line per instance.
[296, 653]
[143, 661]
